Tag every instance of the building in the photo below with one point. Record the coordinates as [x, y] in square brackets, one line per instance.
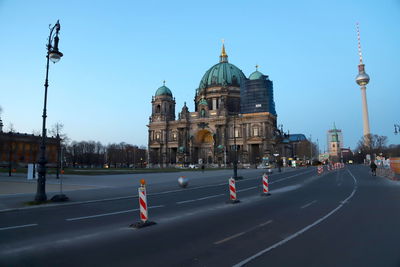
[335, 143]
[331, 136]
[19, 149]
[231, 112]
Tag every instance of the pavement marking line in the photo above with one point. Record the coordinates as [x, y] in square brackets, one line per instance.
[18, 226]
[108, 214]
[245, 261]
[242, 233]
[198, 199]
[267, 222]
[229, 238]
[289, 177]
[308, 204]
[246, 189]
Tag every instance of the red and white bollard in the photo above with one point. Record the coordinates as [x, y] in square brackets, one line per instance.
[232, 191]
[265, 185]
[142, 207]
[320, 170]
[143, 204]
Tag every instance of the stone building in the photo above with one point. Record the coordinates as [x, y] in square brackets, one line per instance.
[231, 112]
[19, 149]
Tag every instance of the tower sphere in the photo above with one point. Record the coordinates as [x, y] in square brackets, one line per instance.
[362, 79]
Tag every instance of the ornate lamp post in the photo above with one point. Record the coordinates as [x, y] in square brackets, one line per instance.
[54, 55]
[234, 143]
[396, 129]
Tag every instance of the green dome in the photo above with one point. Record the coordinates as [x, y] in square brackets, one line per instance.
[222, 74]
[203, 102]
[256, 75]
[163, 90]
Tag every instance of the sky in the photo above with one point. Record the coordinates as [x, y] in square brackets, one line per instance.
[117, 53]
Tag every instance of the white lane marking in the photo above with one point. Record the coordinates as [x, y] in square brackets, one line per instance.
[245, 261]
[229, 238]
[246, 189]
[242, 233]
[308, 204]
[108, 214]
[198, 199]
[289, 177]
[267, 222]
[18, 226]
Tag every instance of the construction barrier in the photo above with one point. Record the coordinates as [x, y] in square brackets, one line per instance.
[232, 191]
[143, 204]
[265, 185]
[320, 170]
[395, 165]
[142, 207]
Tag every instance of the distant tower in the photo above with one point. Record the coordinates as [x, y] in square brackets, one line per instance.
[362, 80]
[334, 143]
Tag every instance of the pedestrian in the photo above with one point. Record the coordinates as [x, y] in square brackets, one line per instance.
[373, 168]
[202, 168]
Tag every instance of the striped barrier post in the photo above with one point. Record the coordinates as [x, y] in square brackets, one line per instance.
[142, 207]
[320, 170]
[232, 191]
[143, 204]
[265, 185]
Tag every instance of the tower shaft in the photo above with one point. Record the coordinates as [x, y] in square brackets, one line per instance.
[366, 130]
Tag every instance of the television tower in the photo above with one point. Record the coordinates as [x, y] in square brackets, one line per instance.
[362, 80]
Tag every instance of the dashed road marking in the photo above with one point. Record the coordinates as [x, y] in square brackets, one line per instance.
[241, 233]
[109, 214]
[308, 204]
[18, 226]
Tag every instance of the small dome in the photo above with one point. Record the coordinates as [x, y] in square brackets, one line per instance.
[256, 75]
[203, 102]
[163, 90]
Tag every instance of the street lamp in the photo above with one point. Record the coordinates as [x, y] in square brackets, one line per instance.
[396, 129]
[234, 143]
[54, 55]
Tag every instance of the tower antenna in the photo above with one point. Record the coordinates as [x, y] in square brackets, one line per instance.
[359, 43]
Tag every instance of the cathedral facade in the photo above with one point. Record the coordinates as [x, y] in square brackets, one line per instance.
[234, 119]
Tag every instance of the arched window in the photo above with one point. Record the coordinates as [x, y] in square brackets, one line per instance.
[255, 131]
[158, 109]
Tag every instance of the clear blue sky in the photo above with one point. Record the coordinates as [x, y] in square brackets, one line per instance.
[117, 53]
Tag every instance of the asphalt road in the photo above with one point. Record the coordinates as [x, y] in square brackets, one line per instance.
[341, 218]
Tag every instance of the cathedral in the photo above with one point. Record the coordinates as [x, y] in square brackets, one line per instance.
[234, 119]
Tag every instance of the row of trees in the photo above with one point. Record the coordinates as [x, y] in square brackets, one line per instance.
[377, 147]
[94, 154]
